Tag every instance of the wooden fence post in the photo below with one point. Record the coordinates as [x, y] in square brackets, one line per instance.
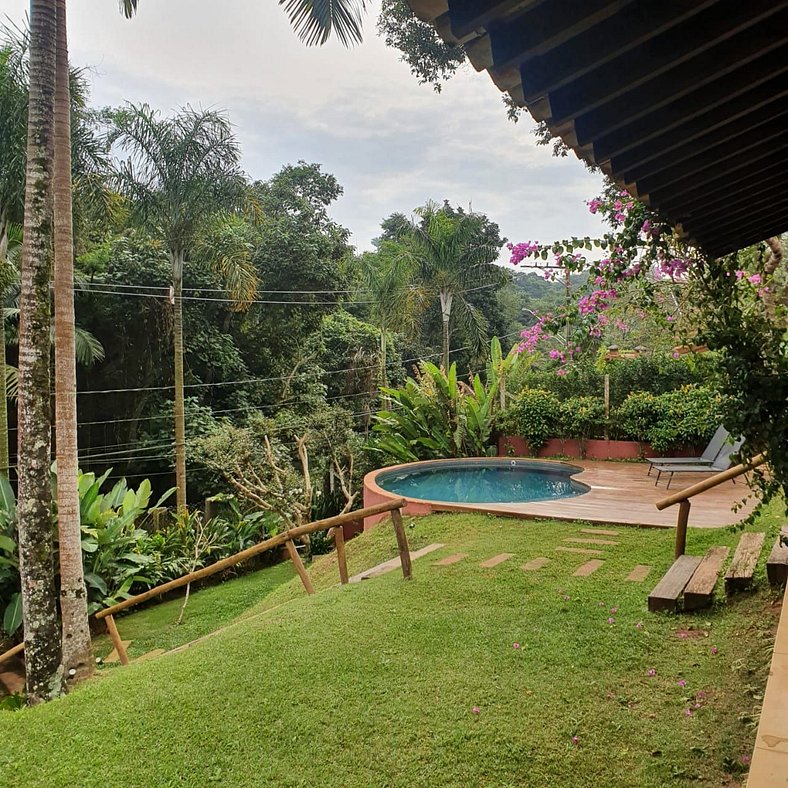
[681, 528]
[402, 543]
[299, 565]
[339, 543]
[116, 641]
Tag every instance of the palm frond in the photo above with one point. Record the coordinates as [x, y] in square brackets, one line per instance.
[88, 349]
[315, 20]
[11, 382]
[128, 7]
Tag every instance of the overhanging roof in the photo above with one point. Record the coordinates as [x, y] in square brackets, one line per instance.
[684, 104]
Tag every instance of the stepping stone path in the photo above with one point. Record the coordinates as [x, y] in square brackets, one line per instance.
[639, 573]
[394, 563]
[588, 568]
[495, 560]
[536, 563]
[599, 532]
[451, 559]
[113, 655]
[605, 542]
[581, 550]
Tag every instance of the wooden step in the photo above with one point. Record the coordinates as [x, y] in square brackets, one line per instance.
[777, 564]
[740, 572]
[394, 563]
[700, 589]
[665, 596]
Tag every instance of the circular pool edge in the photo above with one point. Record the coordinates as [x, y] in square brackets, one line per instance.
[373, 493]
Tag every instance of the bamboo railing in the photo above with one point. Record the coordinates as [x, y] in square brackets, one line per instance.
[286, 538]
[682, 498]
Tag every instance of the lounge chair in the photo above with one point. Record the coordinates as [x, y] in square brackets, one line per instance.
[707, 458]
[722, 462]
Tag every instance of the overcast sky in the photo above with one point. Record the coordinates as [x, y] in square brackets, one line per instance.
[393, 144]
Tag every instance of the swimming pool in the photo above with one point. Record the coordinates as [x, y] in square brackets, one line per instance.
[483, 480]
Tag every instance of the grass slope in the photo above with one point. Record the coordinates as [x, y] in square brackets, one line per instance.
[375, 683]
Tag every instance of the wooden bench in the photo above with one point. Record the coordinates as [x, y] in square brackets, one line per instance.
[740, 572]
[666, 594]
[700, 589]
[777, 563]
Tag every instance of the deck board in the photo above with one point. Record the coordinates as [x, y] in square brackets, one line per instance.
[700, 588]
[665, 596]
[622, 494]
[740, 572]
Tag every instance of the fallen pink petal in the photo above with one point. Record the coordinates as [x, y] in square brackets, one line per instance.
[651, 672]
[475, 709]
[682, 683]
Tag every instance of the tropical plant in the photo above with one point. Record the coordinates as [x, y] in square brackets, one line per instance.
[452, 253]
[435, 416]
[178, 174]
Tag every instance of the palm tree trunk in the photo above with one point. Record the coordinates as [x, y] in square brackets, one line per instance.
[446, 298]
[4, 454]
[179, 410]
[39, 602]
[77, 654]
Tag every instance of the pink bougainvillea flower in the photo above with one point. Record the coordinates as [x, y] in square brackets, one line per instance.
[700, 694]
[714, 650]
[675, 355]
[575, 740]
[740, 274]
[601, 604]
[594, 205]
[639, 625]
[515, 645]
[651, 672]
[745, 759]
[687, 712]
[475, 709]
[614, 610]
[755, 279]
[567, 597]
[682, 683]
[611, 620]
[697, 705]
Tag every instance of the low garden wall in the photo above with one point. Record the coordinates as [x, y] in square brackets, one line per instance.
[596, 449]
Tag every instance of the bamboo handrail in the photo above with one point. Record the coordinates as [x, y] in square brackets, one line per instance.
[682, 498]
[284, 538]
[707, 484]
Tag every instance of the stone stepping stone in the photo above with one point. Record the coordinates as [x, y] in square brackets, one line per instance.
[495, 560]
[536, 563]
[451, 559]
[593, 541]
[639, 573]
[157, 652]
[394, 563]
[588, 568]
[581, 550]
[599, 532]
[113, 655]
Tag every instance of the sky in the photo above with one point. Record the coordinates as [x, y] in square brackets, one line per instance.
[392, 144]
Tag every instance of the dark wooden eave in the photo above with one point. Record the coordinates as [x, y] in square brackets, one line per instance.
[684, 104]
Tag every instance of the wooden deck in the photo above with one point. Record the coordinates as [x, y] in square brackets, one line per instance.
[623, 494]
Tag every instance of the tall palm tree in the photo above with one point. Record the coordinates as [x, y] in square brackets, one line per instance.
[77, 652]
[178, 174]
[44, 671]
[452, 254]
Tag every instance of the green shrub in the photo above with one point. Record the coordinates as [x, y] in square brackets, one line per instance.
[685, 417]
[534, 416]
[582, 418]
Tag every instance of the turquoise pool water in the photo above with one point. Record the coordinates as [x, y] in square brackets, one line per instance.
[488, 481]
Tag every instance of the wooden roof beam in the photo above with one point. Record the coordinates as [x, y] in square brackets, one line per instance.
[547, 26]
[428, 10]
[629, 28]
[713, 75]
[721, 225]
[697, 202]
[468, 16]
[699, 45]
[658, 159]
[744, 204]
[718, 96]
[741, 150]
[739, 237]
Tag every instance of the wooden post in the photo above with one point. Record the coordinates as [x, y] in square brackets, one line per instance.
[607, 407]
[299, 565]
[339, 543]
[681, 528]
[116, 641]
[402, 543]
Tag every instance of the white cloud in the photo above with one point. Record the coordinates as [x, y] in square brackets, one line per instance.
[392, 143]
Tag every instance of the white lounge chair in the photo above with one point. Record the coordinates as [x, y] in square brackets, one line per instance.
[722, 462]
[707, 458]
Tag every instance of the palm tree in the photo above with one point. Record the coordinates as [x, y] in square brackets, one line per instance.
[453, 253]
[77, 652]
[43, 666]
[179, 173]
[396, 303]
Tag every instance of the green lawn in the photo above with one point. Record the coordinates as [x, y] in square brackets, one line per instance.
[376, 683]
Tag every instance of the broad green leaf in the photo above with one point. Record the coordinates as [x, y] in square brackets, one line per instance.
[12, 618]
